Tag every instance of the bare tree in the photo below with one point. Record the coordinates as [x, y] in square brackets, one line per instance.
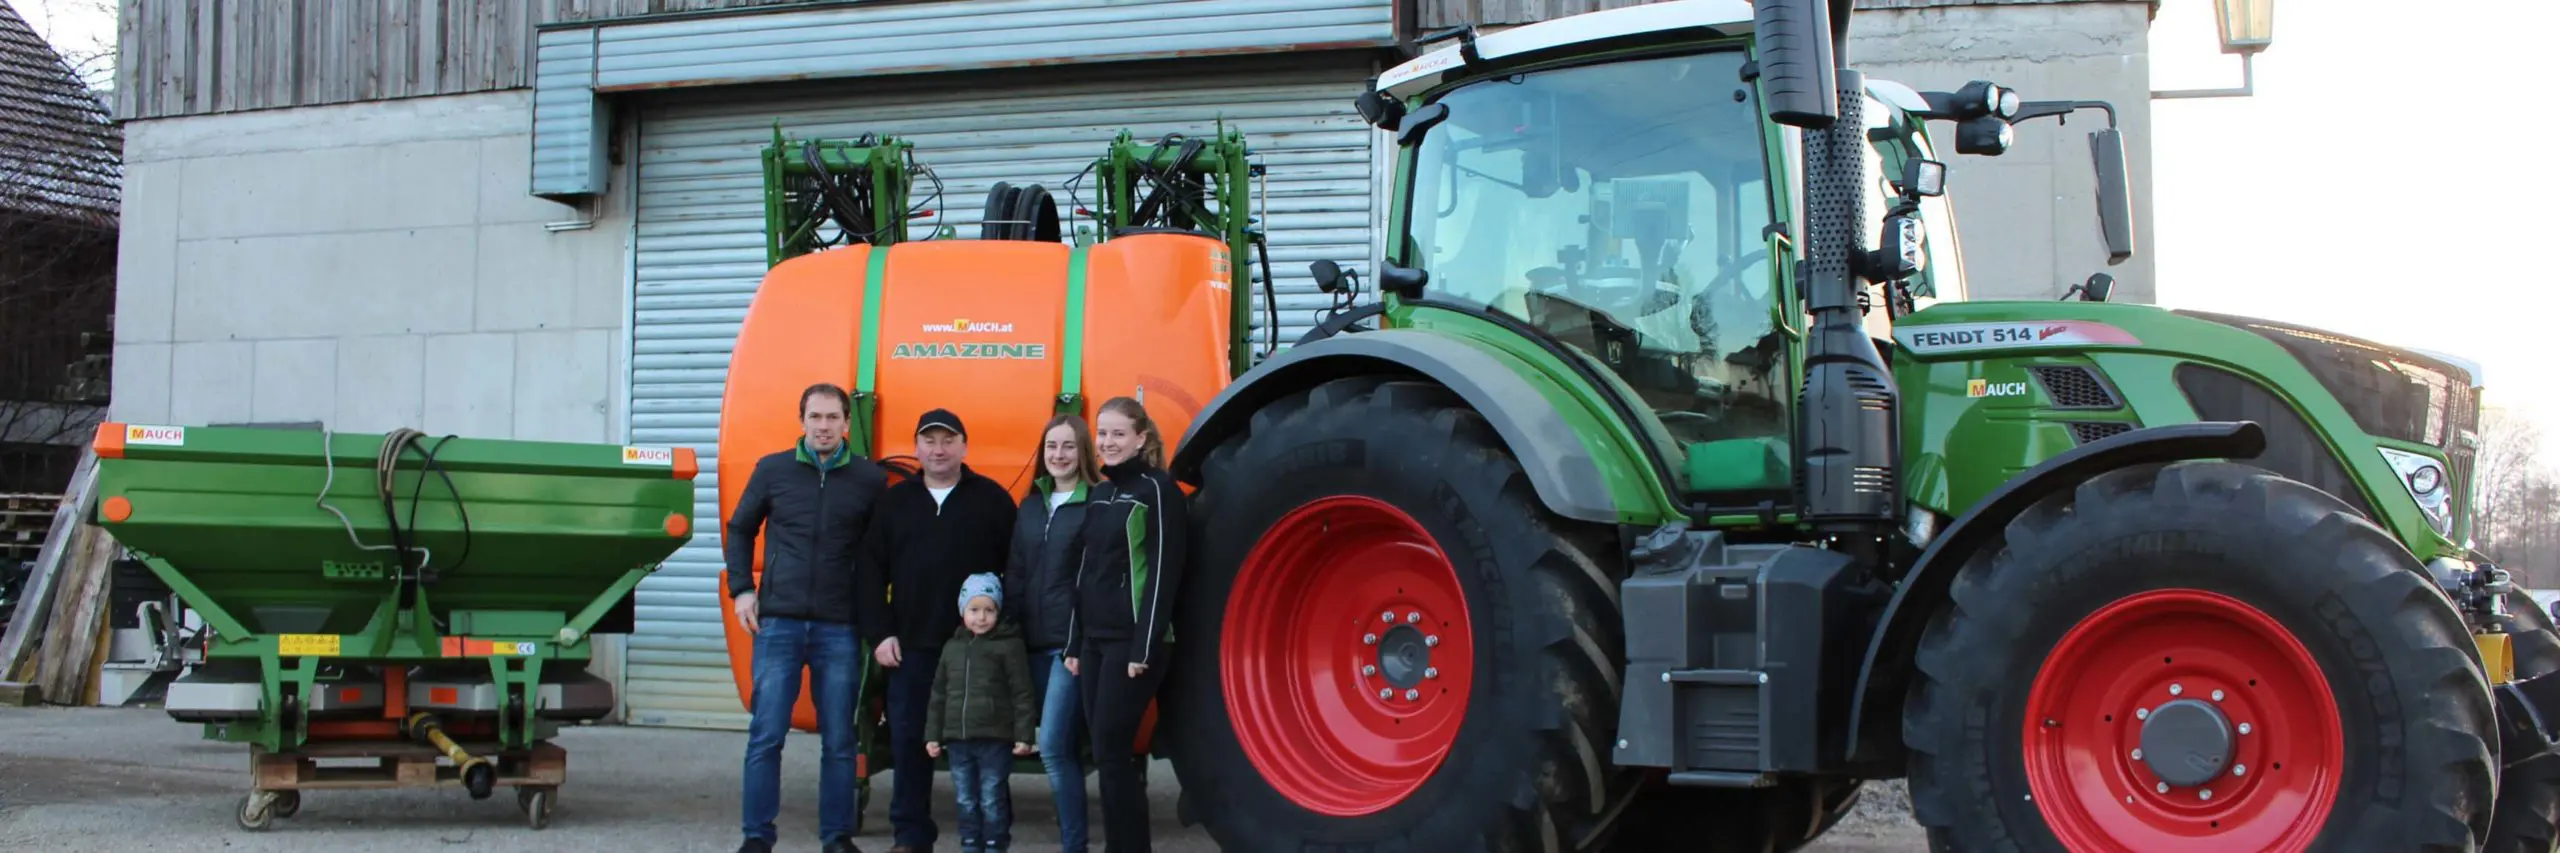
[2517, 491]
[84, 32]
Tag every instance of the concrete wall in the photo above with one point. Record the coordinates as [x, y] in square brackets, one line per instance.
[367, 266]
[2030, 217]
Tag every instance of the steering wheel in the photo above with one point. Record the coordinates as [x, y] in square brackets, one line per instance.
[1633, 299]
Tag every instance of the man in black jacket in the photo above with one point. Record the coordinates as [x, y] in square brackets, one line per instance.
[813, 503]
[931, 533]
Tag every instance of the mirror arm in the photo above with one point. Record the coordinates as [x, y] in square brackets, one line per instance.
[2060, 109]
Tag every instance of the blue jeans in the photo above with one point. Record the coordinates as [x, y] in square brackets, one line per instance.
[1061, 741]
[980, 774]
[911, 770]
[784, 645]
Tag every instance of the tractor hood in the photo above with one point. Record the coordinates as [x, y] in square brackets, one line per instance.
[2393, 393]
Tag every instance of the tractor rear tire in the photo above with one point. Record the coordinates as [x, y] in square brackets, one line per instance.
[2528, 816]
[1387, 643]
[2300, 680]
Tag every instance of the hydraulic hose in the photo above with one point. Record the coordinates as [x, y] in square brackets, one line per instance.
[479, 777]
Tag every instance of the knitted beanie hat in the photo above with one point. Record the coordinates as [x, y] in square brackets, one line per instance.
[982, 583]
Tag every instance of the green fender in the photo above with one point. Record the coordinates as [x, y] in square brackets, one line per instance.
[1565, 469]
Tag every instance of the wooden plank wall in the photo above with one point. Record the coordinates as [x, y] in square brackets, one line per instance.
[193, 57]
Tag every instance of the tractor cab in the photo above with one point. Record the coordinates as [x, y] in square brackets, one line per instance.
[1635, 205]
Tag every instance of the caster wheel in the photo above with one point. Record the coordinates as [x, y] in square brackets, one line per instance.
[257, 811]
[537, 804]
[287, 803]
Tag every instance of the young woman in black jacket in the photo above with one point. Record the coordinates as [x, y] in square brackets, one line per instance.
[1040, 592]
[1132, 564]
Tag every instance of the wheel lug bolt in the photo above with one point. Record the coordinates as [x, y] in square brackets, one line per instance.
[1432, 641]
[1431, 672]
[2142, 713]
[1384, 693]
[2217, 695]
[1410, 695]
[2164, 788]
[2239, 770]
[2205, 794]
[1371, 669]
[2176, 689]
[2137, 753]
[1413, 617]
[1368, 639]
[1388, 616]
[2244, 728]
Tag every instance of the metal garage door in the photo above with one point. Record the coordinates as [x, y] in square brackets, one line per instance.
[700, 248]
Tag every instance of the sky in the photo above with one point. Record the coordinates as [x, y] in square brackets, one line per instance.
[2281, 205]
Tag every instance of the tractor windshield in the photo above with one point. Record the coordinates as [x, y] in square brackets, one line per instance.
[1622, 207]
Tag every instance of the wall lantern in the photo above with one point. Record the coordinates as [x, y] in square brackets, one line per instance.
[2246, 27]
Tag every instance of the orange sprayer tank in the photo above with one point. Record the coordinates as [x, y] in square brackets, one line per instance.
[980, 327]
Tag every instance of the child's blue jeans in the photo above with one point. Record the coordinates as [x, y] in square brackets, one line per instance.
[980, 774]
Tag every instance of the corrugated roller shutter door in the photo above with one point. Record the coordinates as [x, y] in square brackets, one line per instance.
[701, 255]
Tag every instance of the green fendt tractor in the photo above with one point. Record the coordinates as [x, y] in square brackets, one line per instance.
[1670, 491]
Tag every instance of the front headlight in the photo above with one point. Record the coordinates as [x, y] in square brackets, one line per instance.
[2424, 477]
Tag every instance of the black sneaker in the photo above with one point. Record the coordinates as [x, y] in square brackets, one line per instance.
[842, 845]
[755, 845]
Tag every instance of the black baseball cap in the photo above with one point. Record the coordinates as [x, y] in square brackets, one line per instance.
[941, 418]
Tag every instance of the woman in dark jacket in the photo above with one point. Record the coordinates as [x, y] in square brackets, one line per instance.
[1132, 550]
[1040, 590]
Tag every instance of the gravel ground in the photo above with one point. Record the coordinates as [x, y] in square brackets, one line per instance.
[94, 779]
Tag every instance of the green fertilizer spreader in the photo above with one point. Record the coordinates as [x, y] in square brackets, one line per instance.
[399, 596]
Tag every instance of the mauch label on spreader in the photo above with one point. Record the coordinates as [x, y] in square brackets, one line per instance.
[648, 456]
[459, 647]
[155, 436]
[1968, 337]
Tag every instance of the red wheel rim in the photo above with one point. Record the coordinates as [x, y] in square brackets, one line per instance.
[2194, 655]
[1347, 656]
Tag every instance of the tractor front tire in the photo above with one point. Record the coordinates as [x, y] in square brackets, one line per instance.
[2297, 679]
[1387, 643]
[2528, 816]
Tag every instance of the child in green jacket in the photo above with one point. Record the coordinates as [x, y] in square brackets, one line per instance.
[982, 704]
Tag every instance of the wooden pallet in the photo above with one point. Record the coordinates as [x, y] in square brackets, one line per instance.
[24, 522]
[279, 778]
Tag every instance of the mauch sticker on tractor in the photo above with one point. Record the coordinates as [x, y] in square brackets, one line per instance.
[1970, 337]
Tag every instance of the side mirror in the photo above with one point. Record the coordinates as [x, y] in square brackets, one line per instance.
[2115, 194]
[1328, 275]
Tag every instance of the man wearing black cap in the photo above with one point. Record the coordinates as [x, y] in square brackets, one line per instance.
[930, 533]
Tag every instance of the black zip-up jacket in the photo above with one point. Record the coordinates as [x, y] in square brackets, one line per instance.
[1040, 578]
[920, 552]
[813, 514]
[1132, 560]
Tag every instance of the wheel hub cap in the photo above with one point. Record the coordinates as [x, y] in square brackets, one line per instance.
[1403, 658]
[2186, 742]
